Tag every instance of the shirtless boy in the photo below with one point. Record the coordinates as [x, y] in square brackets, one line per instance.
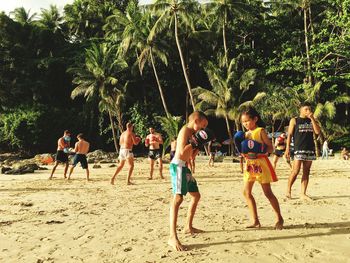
[81, 149]
[127, 140]
[190, 138]
[63, 144]
[153, 141]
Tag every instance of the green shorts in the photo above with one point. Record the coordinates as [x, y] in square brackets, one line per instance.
[182, 180]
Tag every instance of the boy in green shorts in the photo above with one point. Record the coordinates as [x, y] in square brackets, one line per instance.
[191, 137]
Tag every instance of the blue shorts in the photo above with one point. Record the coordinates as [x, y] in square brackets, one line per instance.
[80, 158]
[182, 180]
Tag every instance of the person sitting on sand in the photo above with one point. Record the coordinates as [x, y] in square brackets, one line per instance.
[344, 154]
[255, 145]
[302, 130]
[81, 149]
[190, 138]
[127, 140]
[63, 145]
[153, 141]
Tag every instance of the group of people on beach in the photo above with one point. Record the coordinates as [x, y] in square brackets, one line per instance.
[253, 145]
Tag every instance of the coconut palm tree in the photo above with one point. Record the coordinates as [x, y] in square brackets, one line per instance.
[51, 18]
[22, 16]
[134, 29]
[222, 11]
[227, 94]
[175, 12]
[96, 79]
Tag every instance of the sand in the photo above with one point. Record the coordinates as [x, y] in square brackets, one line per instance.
[79, 221]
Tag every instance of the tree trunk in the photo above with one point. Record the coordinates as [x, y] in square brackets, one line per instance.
[309, 75]
[158, 83]
[224, 39]
[183, 63]
[231, 151]
[113, 132]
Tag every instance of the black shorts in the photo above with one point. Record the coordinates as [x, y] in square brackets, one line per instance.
[278, 153]
[154, 154]
[61, 157]
[80, 158]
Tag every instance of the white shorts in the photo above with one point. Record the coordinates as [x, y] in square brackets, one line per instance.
[125, 154]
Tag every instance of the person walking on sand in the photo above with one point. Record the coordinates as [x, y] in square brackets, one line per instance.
[280, 147]
[153, 141]
[81, 149]
[302, 129]
[63, 145]
[255, 145]
[127, 140]
[325, 150]
[190, 138]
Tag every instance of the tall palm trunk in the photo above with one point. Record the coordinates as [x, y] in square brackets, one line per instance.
[113, 132]
[307, 49]
[229, 135]
[224, 39]
[158, 83]
[183, 62]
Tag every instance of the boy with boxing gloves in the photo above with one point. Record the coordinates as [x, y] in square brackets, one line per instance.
[190, 138]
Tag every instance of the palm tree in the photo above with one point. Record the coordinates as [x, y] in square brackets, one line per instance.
[226, 97]
[96, 79]
[22, 16]
[134, 30]
[170, 12]
[222, 11]
[51, 18]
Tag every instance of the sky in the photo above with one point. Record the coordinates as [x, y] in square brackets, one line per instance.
[35, 5]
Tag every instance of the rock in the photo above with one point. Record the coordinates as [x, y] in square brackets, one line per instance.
[96, 166]
[112, 165]
[5, 169]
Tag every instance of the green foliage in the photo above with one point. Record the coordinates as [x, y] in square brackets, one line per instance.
[171, 126]
[139, 118]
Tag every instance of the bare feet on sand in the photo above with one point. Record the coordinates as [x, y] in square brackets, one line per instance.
[279, 224]
[130, 183]
[289, 195]
[176, 245]
[112, 181]
[193, 231]
[150, 178]
[305, 197]
[254, 225]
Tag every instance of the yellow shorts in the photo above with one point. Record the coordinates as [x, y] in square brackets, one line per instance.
[260, 170]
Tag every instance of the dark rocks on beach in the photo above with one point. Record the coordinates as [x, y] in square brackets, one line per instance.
[5, 169]
[96, 166]
[100, 156]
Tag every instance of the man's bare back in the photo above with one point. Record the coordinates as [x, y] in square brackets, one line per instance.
[82, 147]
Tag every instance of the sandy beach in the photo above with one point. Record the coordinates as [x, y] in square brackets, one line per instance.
[59, 221]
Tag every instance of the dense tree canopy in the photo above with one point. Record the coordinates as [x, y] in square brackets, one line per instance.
[150, 63]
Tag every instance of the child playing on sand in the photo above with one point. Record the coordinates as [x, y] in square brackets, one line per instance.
[254, 146]
[191, 137]
[81, 149]
[302, 129]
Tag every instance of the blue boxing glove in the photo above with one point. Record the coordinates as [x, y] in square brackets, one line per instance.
[252, 148]
[201, 137]
[66, 150]
[238, 138]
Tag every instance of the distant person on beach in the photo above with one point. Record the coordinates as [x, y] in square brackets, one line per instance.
[172, 148]
[63, 145]
[190, 138]
[212, 149]
[302, 129]
[344, 154]
[81, 149]
[127, 140]
[154, 141]
[255, 145]
[280, 147]
[325, 149]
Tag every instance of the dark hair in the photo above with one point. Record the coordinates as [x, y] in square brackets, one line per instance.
[66, 132]
[252, 113]
[305, 104]
[81, 136]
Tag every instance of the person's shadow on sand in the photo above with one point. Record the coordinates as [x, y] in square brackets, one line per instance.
[337, 228]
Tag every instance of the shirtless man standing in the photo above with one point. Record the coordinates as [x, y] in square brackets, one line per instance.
[127, 140]
[81, 149]
[153, 141]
